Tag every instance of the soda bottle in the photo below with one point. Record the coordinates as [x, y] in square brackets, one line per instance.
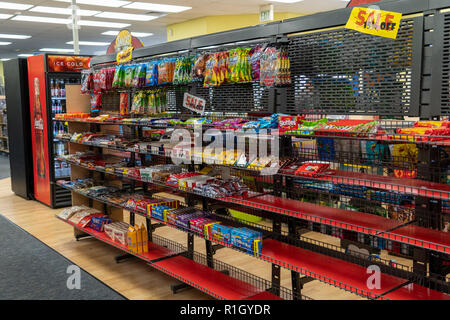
[52, 87]
[39, 131]
[62, 88]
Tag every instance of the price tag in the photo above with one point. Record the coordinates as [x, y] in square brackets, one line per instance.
[375, 22]
[194, 103]
[124, 55]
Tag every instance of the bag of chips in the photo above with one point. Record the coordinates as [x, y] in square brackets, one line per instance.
[86, 79]
[139, 75]
[119, 77]
[198, 70]
[124, 104]
[151, 77]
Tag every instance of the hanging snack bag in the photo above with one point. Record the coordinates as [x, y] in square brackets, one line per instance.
[151, 76]
[129, 72]
[210, 79]
[139, 75]
[86, 77]
[97, 80]
[199, 68]
[268, 66]
[119, 77]
[124, 104]
[96, 102]
[109, 79]
[255, 61]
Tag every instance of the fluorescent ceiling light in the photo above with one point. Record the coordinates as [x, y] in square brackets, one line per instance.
[5, 16]
[126, 16]
[5, 43]
[156, 7]
[90, 23]
[55, 50]
[41, 19]
[67, 21]
[66, 11]
[15, 6]
[25, 55]
[13, 36]
[5, 59]
[90, 43]
[136, 34]
[101, 3]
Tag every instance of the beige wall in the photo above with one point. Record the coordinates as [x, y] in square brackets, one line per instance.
[212, 24]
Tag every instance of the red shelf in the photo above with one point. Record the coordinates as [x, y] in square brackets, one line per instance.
[154, 251]
[206, 279]
[410, 186]
[416, 292]
[423, 237]
[334, 271]
[351, 220]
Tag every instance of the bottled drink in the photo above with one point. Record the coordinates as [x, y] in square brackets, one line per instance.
[39, 131]
[57, 89]
[62, 88]
[52, 87]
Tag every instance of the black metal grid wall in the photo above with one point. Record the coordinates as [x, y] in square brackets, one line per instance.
[346, 72]
[445, 81]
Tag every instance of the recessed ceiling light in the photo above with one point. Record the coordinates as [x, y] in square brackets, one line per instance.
[103, 24]
[66, 11]
[5, 16]
[136, 34]
[156, 7]
[41, 19]
[5, 43]
[14, 6]
[102, 3]
[25, 55]
[55, 50]
[14, 36]
[90, 43]
[126, 16]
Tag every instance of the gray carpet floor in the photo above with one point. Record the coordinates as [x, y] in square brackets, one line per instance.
[4, 166]
[30, 270]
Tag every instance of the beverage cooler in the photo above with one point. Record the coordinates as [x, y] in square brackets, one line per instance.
[47, 77]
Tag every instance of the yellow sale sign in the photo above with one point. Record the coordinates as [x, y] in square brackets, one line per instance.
[376, 22]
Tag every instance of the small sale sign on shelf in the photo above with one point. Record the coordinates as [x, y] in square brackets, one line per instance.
[375, 22]
[194, 103]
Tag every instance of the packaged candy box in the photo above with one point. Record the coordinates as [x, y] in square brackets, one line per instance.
[198, 225]
[184, 219]
[220, 233]
[249, 240]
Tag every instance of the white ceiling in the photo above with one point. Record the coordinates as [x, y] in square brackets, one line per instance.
[46, 35]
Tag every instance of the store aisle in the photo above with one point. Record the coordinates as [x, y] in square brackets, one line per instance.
[4, 167]
[32, 270]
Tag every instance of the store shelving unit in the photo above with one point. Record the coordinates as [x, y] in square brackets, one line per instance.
[393, 82]
[4, 143]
